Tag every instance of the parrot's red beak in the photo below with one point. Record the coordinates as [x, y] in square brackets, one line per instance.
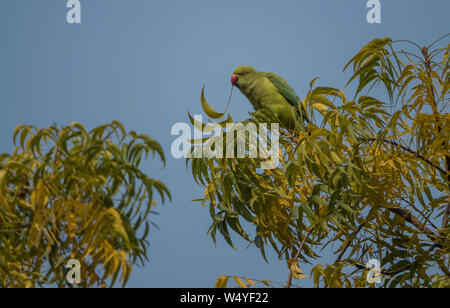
[234, 79]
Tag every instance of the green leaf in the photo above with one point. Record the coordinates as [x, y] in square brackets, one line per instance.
[208, 109]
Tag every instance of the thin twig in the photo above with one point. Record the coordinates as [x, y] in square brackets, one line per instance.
[405, 214]
[405, 148]
[408, 41]
[441, 38]
[289, 282]
[349, 241]
[229, 100]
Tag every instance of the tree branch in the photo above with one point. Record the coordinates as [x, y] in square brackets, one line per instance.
[349, 241]
[384, 272]
[415, 222]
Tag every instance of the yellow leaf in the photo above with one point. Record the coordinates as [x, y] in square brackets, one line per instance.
[297, 273]
[2, 177]
[208, 109]
[250, 282]
[25, 203]
[117, 223]
[240, 282]
[229, 120]
[322, 108]
[222, 282]
[336, 158]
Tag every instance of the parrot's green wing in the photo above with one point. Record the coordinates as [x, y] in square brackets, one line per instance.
[286, 91]
[283, 88]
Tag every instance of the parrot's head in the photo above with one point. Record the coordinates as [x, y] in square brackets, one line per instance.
[243, 76]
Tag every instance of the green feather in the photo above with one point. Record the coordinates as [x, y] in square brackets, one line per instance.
[283, 88]
[286, 90]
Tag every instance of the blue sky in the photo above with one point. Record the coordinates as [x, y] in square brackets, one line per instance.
[158, 55]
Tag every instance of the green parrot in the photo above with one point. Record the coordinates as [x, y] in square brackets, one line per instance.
[270, 92]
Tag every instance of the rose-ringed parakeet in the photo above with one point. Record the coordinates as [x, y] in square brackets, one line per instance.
[270, 92]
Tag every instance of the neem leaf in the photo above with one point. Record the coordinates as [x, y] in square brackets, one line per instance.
[222, 282]
[240, 282]
[208, 109]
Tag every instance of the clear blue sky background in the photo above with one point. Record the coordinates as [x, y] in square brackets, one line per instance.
[158, 54]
